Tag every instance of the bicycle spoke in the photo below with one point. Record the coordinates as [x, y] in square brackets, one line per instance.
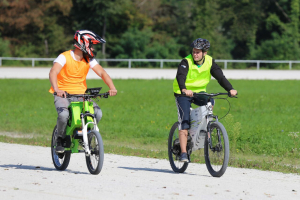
[94, 151]
[217, 153]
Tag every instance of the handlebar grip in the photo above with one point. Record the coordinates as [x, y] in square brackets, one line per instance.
[67, 94]
[229, 94]
[186, 95]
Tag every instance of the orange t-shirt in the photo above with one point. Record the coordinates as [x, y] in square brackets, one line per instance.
[72, 77]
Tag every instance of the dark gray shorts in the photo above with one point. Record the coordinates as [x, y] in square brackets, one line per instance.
[183, 104]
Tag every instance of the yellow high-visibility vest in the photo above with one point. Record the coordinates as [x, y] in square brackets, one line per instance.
[197, 77]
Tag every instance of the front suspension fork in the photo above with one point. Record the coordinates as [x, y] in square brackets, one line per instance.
[208, 117]
[85, 133]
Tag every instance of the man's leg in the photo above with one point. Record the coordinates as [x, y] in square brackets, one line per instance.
[61, 105]
[183, 140]
[98, 112]
[183, 108]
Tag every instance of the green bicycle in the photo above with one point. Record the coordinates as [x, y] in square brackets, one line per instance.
[82, 134]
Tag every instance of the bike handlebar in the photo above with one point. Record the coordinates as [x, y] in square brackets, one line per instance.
[104, 95]
[215, 94]
[212, 94]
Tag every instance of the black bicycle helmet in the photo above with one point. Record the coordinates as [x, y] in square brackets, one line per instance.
[200, 43]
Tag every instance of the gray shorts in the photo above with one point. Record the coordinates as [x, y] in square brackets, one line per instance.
[61, 105]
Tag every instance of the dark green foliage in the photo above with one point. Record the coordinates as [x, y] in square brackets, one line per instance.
[265, 30]
[146, 44]
[4, 48]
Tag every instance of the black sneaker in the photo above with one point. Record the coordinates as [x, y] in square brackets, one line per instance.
[184, 157]
[59, 148]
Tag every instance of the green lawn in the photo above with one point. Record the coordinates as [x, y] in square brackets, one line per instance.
[263, 123]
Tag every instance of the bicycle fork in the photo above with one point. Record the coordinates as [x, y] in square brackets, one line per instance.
[85, 133]
[208, 130]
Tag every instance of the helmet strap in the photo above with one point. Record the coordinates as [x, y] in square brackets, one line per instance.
[85, 57]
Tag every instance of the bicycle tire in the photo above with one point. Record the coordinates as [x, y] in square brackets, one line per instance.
[60, 161]
[95, 161]
[216, 159]
[176, 165]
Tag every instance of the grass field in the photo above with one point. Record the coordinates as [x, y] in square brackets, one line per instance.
[263, 123]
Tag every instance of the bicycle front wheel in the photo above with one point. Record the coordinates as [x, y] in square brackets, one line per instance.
[94, 162]
[174, 150]
[61, 160]
[216, 155]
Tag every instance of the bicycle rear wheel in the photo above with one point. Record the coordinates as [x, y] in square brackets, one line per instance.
[94, 162]
[216, 158]
[60, 161]
[174, 150]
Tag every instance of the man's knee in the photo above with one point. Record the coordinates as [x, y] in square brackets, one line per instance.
[184, 125]
[98, 113]
[183, 132]
[63, 115]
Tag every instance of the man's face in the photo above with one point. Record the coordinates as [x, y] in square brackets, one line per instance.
[92, 47]
[198, 54]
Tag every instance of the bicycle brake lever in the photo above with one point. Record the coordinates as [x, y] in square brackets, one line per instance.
[67, 94]
[104, 95]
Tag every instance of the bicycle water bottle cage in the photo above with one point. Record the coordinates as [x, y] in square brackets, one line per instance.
[93, 91]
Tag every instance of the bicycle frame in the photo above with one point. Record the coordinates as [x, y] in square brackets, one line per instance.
[200, 119]
[81, 118]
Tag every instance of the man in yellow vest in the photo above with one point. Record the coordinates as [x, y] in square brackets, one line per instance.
[68, 74]
[193, 74]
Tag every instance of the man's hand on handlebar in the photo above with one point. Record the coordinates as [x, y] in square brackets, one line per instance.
[60, 93]
[233, 92]
[188, 93]
[112, 92]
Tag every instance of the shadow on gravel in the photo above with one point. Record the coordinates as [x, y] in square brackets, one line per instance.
[160, 170]
[148, 169]
[29, 167]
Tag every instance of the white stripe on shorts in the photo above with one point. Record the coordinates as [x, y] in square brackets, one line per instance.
[179, 118]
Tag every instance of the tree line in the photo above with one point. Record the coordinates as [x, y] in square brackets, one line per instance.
[159, 29]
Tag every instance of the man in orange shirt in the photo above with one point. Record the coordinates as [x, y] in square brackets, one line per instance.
[68, 74]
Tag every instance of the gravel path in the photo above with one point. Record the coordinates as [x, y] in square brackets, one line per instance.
[27, 172]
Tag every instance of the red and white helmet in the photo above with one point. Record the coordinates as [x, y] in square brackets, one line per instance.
[84, 40]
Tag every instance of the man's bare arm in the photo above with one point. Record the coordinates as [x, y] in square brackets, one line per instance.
[53, 79]
[106, 78]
